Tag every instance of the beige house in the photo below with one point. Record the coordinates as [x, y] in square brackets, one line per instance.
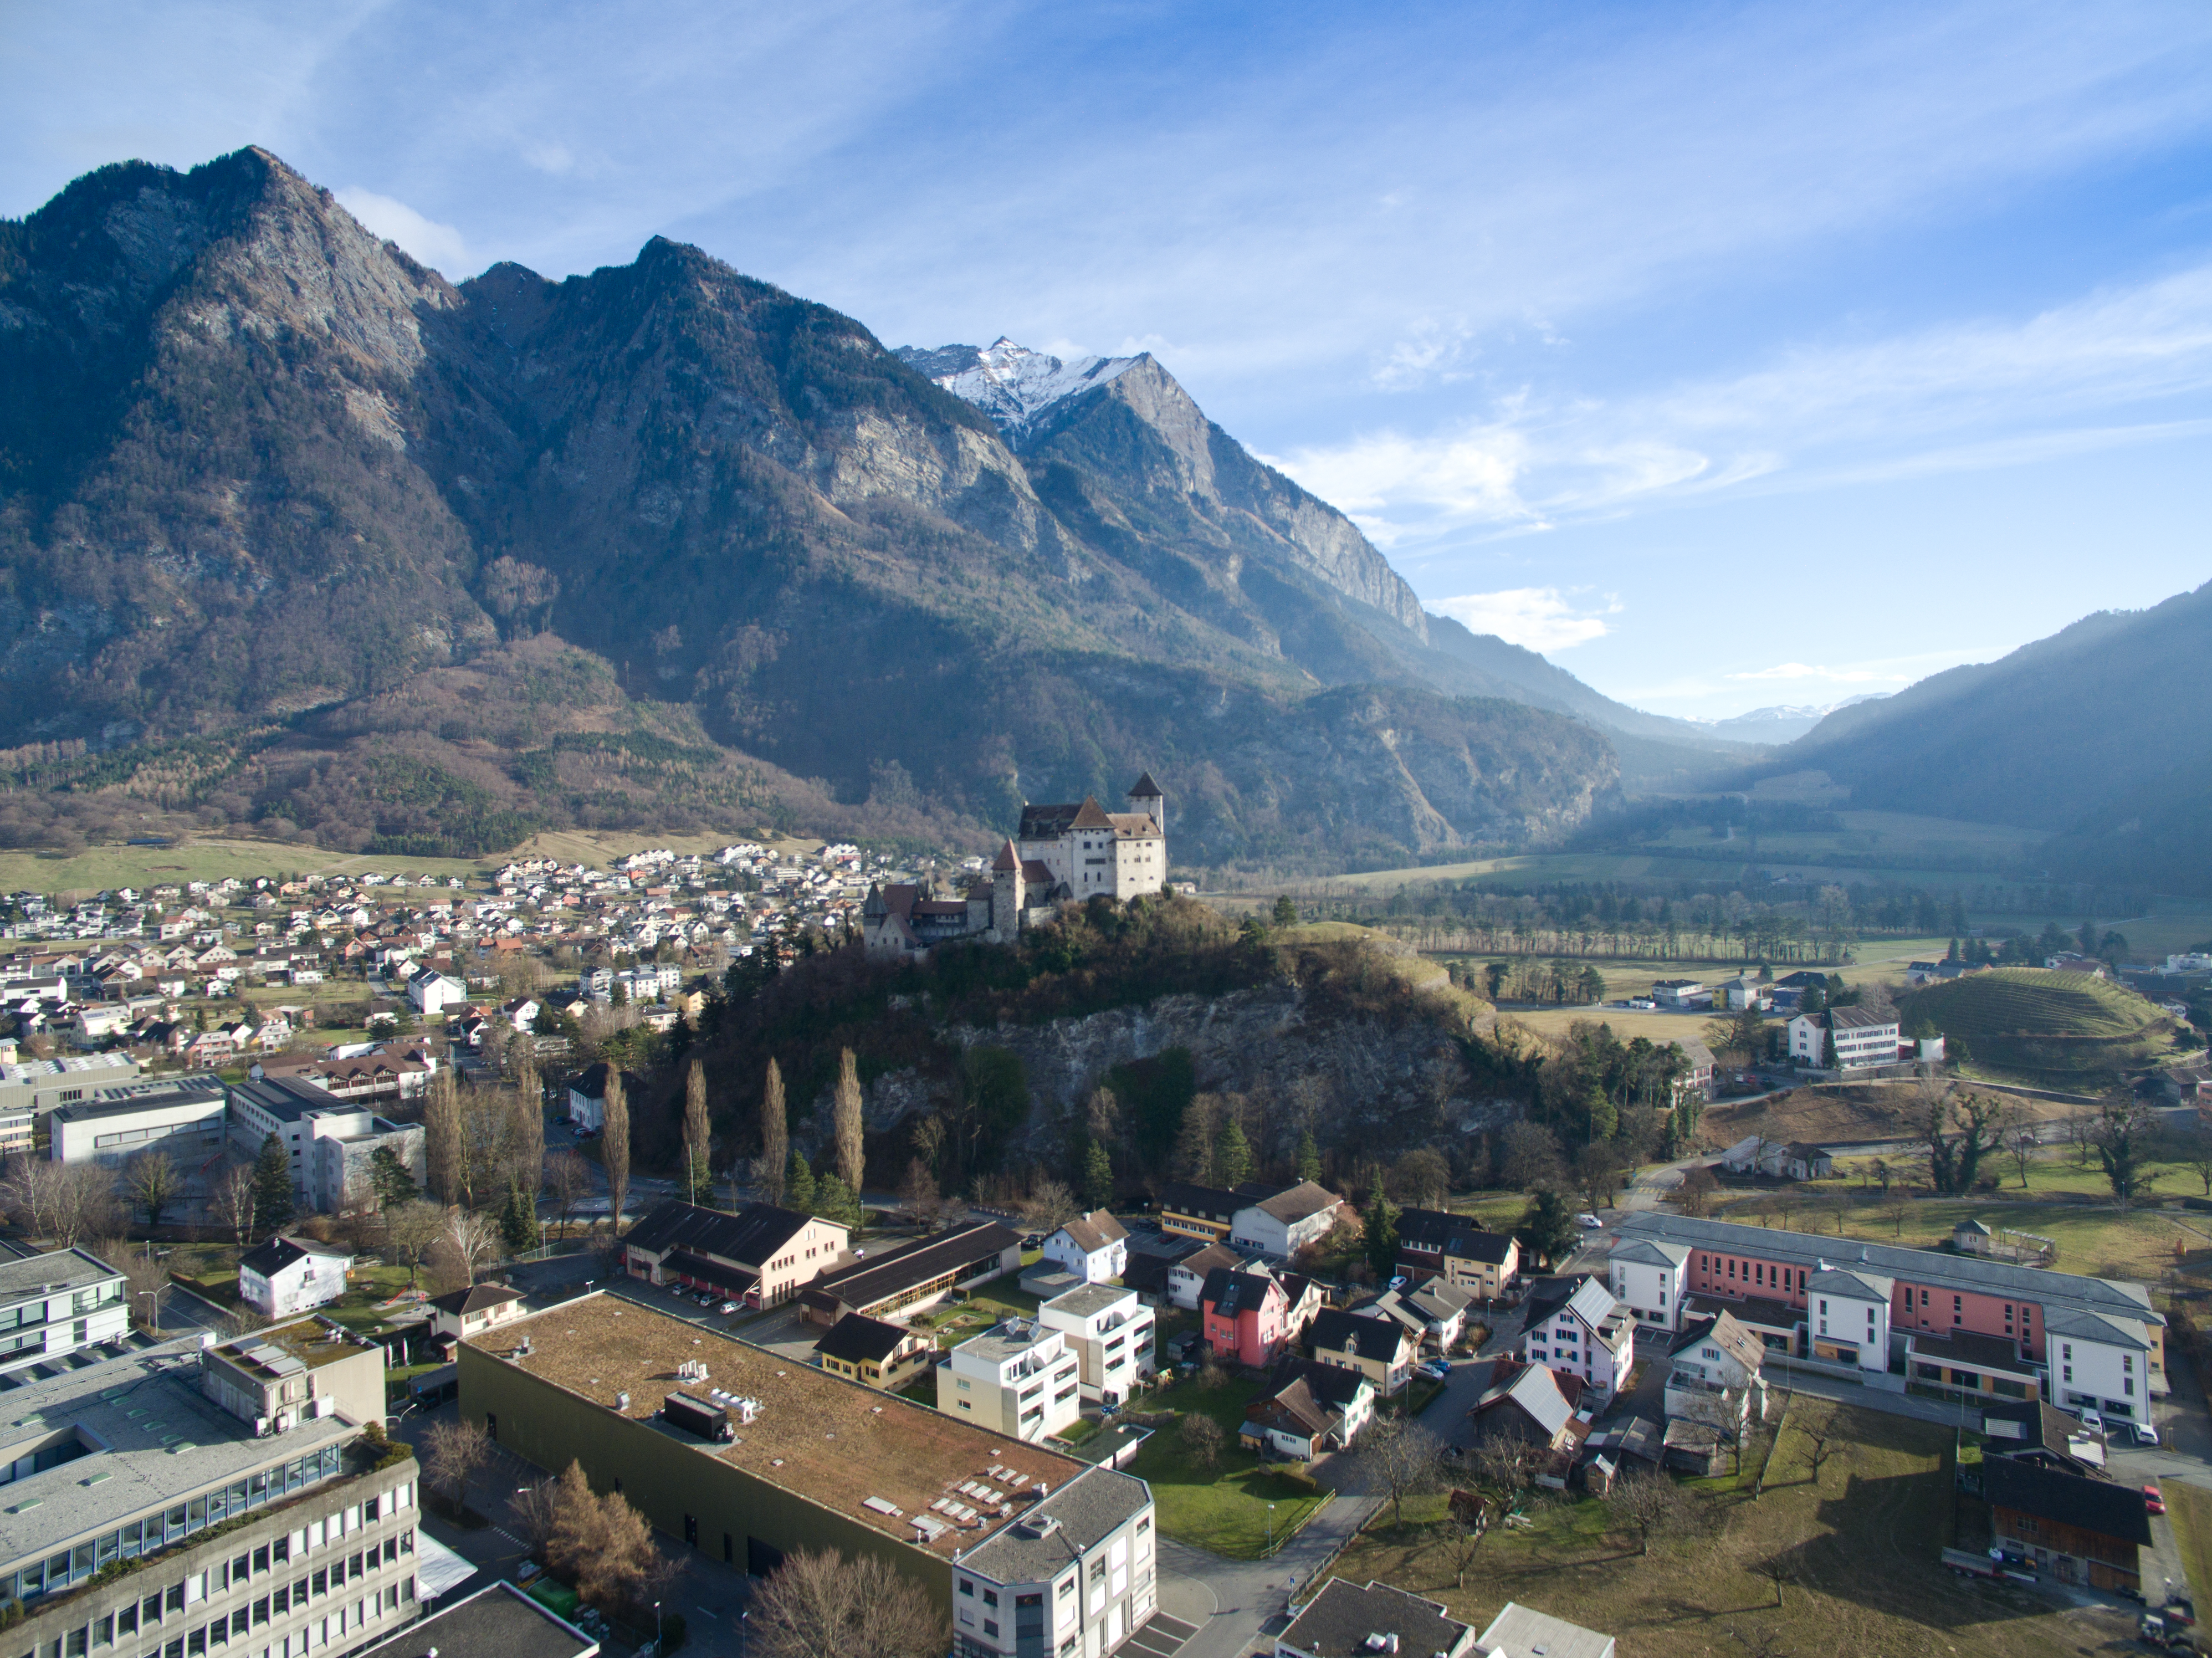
[874, 1353]
[1381, 1349]
[472, 1311]
[761, 1256]
[1017, 1378]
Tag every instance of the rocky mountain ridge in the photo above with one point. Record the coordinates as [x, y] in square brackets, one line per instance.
[319, 538]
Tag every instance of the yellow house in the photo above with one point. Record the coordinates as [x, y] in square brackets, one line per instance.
[874, 1353]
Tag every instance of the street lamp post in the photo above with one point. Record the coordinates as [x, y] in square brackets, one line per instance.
[154, 1313]
[656, 1625]
[1271, 1528]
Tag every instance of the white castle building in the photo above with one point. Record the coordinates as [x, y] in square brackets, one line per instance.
[1060, 854]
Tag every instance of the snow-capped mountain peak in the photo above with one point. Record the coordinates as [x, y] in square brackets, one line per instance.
[1010, 383]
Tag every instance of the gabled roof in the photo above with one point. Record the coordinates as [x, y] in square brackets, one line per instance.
[272, 1257]
[2112, 1331]
[1090, 816]
[1337, 1331]
[1338, 1621]
[1587, 1298]
[1651, 1252]
[1331, 1384]
[2101, 1506]
[1232, 1291]
[1849, 1283]
[1721, 1331]
[1532, 1387]
[858, 1339]
[1460, 1236]
[1209, 1202]
[476, 1298]
[1300, 1202]
[750, 1238]
[1975, 1272]
[1092, 1232]
[1296, 1401]
[1204, 1259]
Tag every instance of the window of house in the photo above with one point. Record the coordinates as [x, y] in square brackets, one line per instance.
[967, 1586]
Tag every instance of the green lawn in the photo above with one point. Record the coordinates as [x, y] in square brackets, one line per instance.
[1225, 1508]
[1859, 1548]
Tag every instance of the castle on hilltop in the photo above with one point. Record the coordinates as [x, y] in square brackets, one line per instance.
[1060, 854]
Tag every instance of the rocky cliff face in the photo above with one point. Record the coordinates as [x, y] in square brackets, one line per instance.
[1353, 1082]
[299, 486]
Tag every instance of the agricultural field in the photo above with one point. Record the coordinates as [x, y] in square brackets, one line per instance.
[1856, 1551]
[1827, 1116]
[2060, 1030]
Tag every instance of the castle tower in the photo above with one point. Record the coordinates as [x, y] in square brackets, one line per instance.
[1145, 796]
[1007, 897]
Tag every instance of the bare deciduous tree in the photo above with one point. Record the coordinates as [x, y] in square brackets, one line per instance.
[151, 1179]
[413, 1229]
[567, 1177]
[1825, 1443]
[1696, 1189]
[84, 1204]
[1202, 1436]
[441, 1133]
[30, 1186]
[824, 1605]
[468, 1243]
[698, 1133]
[1647, 1501]
[144, 1281]
[233, 1201]
[452, 1452]
[1467, 1523]
[1051, 1205]
[1402, 1461]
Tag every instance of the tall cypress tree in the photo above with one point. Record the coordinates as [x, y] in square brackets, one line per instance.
[1097, 1177]
[1308, 1156]
[1380, 1221]
[798, 1185]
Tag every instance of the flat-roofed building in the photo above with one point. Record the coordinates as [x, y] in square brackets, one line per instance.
[301, 1116]
[134, 1462]
[187, 1121]
[1019, 1378]
[1110, 1331]
[1076, 1574]
[1347, 1621]
[498, 1621]
[56, 1303]
[38, 1085]
[814, 1461]
[1522, 1631]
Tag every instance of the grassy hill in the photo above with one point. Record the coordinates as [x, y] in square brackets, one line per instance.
[2067, 1029]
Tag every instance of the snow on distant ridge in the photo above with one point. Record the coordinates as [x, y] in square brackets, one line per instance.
[1010, 383]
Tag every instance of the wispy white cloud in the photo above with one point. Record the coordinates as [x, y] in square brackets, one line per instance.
[1969, 395]
[438, 245]
[1542, 619]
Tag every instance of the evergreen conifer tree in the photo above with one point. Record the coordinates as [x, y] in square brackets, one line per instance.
[798, 1185]
[1308, 1156]
[272, 1188]
[518, 1221]
[1232, 1155]
[1379, 1222]
[1097, 1177]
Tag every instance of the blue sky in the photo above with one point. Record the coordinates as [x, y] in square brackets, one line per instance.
[1731, 355]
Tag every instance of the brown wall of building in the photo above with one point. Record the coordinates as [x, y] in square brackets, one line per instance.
[667, 1475]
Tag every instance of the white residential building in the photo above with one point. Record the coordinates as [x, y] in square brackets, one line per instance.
[2099, 1362]
[1847, 1316]
[1094, 1246]
[1074, 1575]
[1716, 1358]
[431, 993]
[288, 1275]
[1578, 1327]
[1019, 1378]
[1280, 1226]
[1844, 1038]
[1647, 1276]
[1111, 1332]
